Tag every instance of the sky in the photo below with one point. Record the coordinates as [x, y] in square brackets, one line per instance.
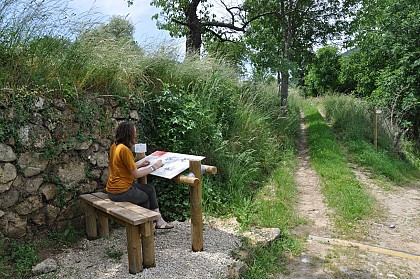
[139, 14]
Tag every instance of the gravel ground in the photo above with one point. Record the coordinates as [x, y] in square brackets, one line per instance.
[174, 258]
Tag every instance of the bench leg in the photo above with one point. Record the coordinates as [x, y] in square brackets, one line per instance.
[134, 249]
[90, 216]
[148, 244]
[103, 226]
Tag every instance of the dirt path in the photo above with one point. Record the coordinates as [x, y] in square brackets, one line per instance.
[397, 228]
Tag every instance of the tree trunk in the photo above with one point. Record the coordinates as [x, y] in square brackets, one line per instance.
[284, 87]
[284, 92]
[193, 40]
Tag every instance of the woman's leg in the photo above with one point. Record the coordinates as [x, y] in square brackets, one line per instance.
[150, 190]
[133, 195]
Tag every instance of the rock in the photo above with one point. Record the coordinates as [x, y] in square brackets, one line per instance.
[105, 176]
[8, 198]
[71, 174]
[236, 270]
[119, 113]
[5, 186]
[87, 188]
[31, 164]
[34, 136]
[102, 159]
[262, 236]
[46, 266]
[32, 185]
[6, 153]
[83, 145]
[52, 213]
[306, 260]
[7, 175]
[30, 205]
[48, 191]
[39, 103]
[36, 118]
[134, 115]
[12, 225]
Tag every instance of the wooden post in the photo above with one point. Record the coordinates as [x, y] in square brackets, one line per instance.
[134, 249]
[375, 135]
[90, 216]
[196, 208]
[148, 244]
[103, 226]
[139, 156]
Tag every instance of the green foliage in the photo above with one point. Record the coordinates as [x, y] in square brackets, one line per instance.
[274, 203]
[387, 64]
[323, 72]
[174, 199]
[177, 118]
[23, 256]
[67, 237]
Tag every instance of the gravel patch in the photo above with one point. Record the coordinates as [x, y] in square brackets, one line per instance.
[174, 257]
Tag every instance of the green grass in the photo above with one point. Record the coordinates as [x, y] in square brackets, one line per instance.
[382, 163]
[352, 123]
[342, 190]
[273, 207]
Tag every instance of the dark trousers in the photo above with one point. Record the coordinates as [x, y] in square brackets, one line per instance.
[140, 194]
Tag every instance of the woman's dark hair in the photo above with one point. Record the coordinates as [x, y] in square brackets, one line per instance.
[125, 134]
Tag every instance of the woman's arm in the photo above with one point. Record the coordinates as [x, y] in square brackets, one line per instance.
[137, 173]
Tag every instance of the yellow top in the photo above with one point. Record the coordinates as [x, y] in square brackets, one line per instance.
[121, 163]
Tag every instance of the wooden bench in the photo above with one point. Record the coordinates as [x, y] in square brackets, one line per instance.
[137, 220]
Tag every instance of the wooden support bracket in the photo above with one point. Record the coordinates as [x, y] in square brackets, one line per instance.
[210, 169]
[190, 180]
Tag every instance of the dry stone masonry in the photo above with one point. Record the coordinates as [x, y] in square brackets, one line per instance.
[50, 157]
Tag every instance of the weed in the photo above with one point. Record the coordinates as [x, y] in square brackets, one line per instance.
[69, 236]
[23, 256]
[113, 254]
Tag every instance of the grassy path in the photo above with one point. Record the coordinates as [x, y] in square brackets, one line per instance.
[343, 192]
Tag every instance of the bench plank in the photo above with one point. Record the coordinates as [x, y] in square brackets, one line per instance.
[133, 207]
[128, 212]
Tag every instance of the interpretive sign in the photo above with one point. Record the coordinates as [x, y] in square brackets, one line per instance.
[173, 163]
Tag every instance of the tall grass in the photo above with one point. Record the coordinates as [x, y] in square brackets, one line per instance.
[352, 121]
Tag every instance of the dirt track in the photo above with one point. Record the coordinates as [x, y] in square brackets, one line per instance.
[386, 246]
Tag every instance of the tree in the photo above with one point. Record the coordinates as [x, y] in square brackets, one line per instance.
[282, 40]
[387, 39]
[195, 19]
[118, 28]
[324, 71]
[199, 20]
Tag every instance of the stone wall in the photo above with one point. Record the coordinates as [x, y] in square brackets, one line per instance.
[56, 153]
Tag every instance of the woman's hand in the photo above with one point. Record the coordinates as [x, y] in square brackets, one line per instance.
[144, 163]
[158, 164]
